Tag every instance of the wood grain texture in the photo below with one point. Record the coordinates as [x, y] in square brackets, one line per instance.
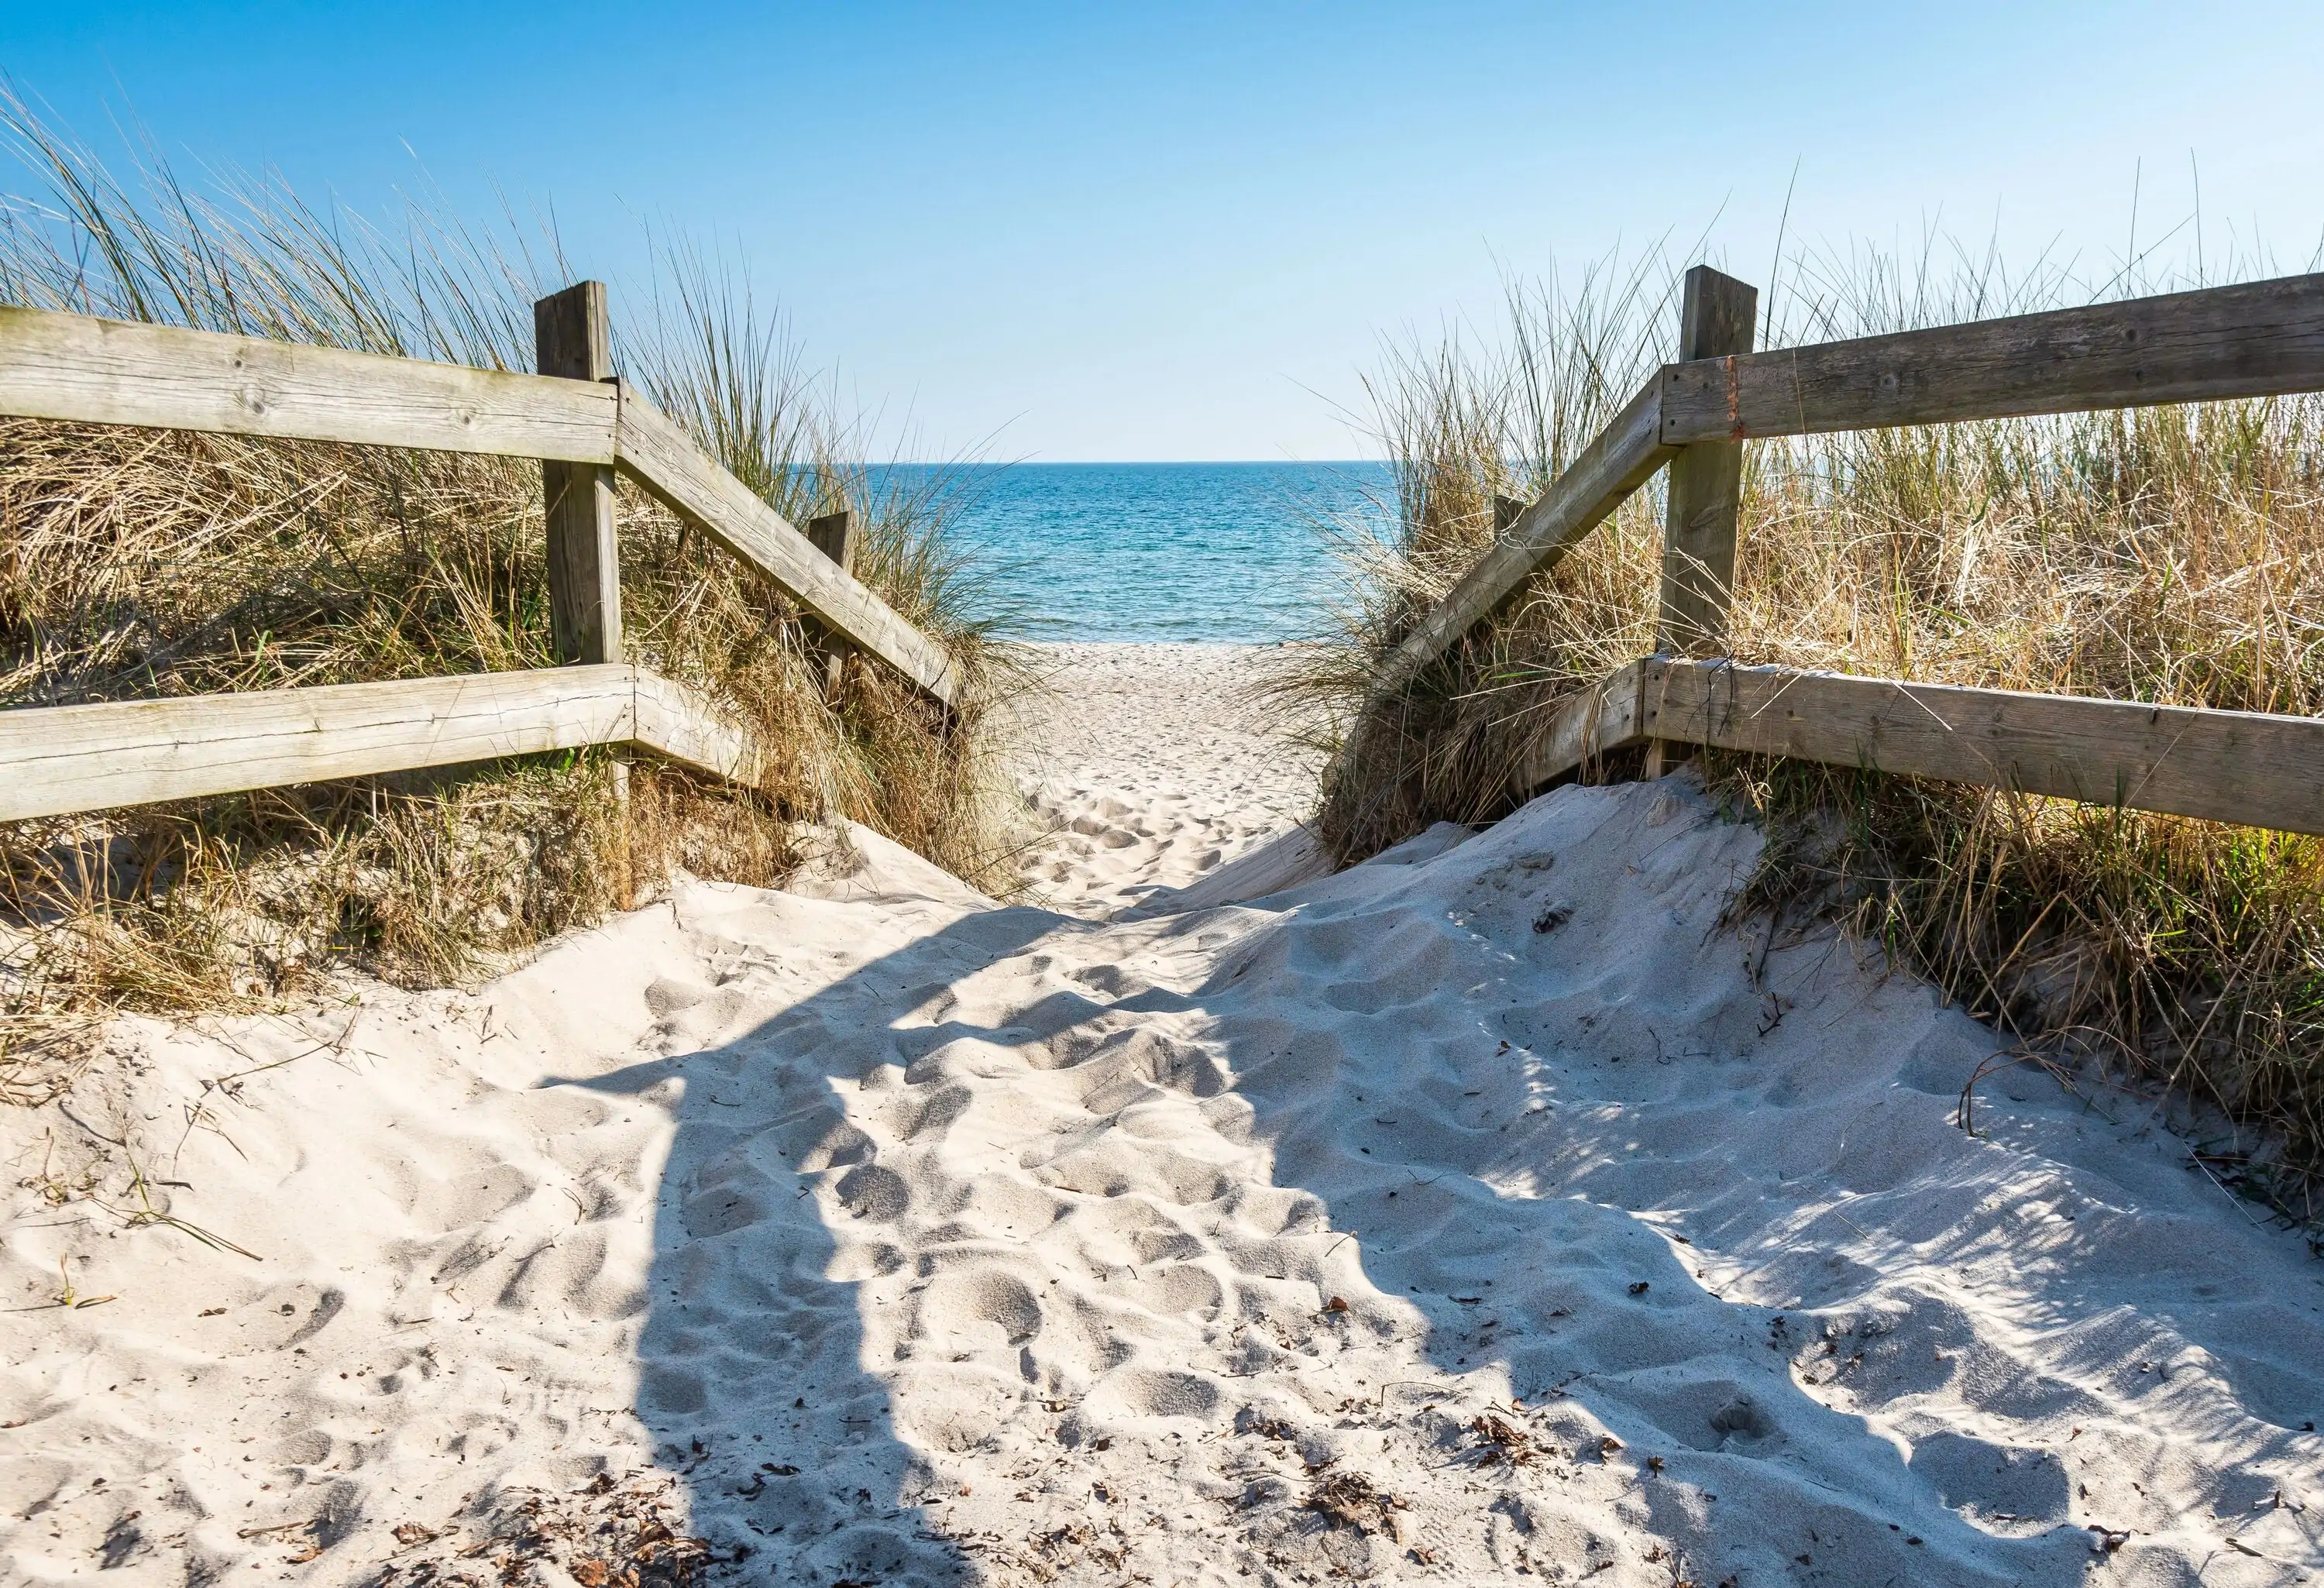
[65, 759]
[572, 340]
[2251, 768]
[1716, 317]
[833, 535]
[683, 725]
[1602, 719]
[1623, 458]
[573, 334]
[70, 366]
[2261, 339]
[65, 367]
[72, 758]
[665, 460]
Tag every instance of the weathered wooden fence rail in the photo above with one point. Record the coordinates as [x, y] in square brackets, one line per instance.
[2228, 766]
[59, 759]
[577, 417]
[2262, 340]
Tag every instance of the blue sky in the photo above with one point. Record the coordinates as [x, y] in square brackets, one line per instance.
[1131, 232]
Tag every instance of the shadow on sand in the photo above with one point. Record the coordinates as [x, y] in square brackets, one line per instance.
[1496, 1199]
[753, 1374]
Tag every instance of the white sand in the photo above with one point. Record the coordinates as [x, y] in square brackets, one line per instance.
[1151, 765]
[901, 1239]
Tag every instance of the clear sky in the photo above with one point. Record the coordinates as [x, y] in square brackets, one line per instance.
[1178, 231]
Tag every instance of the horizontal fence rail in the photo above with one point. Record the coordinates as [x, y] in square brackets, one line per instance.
[2261, 339]
[70, 366]
[2231, 766]
[73, 367]
[67, 759]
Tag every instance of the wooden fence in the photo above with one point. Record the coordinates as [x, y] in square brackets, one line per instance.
[583, 423]
[2259, 340]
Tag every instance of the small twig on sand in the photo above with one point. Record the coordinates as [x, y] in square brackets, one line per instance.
[1381, 1404]
[147, 1214]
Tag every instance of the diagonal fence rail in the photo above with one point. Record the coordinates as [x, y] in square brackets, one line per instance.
[577, 418]
[2261, 339]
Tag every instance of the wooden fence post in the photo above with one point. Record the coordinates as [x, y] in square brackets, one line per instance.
[571, 339]
[1706, 481]
[572, 336]
[833, 535]
[1706, 487]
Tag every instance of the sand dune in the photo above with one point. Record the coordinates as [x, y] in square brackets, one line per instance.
[1487, 1212]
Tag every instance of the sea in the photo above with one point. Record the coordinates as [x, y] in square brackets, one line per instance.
[1218, 553]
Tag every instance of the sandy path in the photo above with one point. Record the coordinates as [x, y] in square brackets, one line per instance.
[1151, 766]
[1473, 1215]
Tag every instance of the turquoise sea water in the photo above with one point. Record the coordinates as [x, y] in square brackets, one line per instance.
[1218, 552]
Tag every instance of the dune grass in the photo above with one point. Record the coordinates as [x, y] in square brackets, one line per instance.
[2173, 555]
[137, 564]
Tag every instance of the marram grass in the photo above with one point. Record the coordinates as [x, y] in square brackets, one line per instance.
[137, 564]
[2173, 555]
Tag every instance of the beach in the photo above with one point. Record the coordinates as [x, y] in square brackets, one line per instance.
[1494, 1210]
[1145, 768]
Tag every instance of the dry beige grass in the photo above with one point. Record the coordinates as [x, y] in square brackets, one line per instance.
[137, 564]
[2172, 555]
